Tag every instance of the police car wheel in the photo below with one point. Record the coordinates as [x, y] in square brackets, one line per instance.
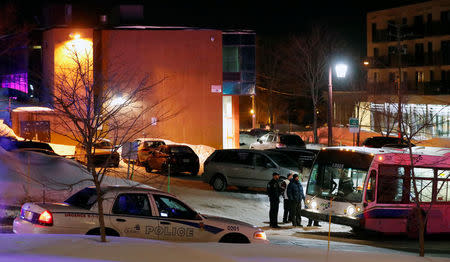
[109, 232]
[219, 183]
[234, 238]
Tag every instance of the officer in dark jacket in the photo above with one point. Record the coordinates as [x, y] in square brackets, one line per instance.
[274, 192]
[296, 195]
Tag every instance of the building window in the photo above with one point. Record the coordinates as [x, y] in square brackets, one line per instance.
[431, 75]
[376, 52]
[374, 32]
[230, 59]
[391, 77]
[419, 77]
[430, 53]
[404, 20]
[18, 81]
[391, 30]
[445, 50]
[418, 20]
[445, 16]
[375, 77]
[419, 54]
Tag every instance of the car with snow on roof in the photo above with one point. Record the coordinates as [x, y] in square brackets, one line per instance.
[133, 212]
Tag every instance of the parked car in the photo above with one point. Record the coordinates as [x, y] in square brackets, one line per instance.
[133, 212]
[180, 158]
[246, 138]
[303, 157]
[104, 153]
[10, 144]
[277, 140]
[245, 168]
[383, 141]
[145, 147]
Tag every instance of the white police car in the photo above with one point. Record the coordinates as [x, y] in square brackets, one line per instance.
[133, 212]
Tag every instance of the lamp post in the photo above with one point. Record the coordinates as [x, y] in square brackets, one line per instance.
[341, 70]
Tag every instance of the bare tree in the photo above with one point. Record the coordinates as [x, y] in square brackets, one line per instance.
[309, 59]
[271, 78]
[92, 108]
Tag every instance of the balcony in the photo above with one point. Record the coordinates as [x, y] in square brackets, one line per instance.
[411, 88]
[391, 61]
[436, 28]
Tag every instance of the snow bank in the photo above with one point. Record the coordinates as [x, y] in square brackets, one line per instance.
[88, 248]
[32, 176]
[5, 130]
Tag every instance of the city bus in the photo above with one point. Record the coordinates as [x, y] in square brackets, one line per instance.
[372, 188]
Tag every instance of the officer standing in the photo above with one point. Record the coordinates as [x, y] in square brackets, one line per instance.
[274, 192]
[296, 195]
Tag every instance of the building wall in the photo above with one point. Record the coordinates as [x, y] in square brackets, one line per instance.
[185, 64]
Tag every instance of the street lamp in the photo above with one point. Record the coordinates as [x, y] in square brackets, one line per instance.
[341, 70]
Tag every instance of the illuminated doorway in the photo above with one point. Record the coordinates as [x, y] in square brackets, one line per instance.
[228, 128]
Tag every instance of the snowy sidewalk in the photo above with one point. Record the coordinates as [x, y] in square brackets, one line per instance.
[52, 248]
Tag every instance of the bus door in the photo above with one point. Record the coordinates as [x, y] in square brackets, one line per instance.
[391, 205]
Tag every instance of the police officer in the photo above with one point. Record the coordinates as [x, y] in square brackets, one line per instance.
[274, 192]
[296, 195]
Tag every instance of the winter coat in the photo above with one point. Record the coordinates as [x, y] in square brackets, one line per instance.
[274, 190]
[295, 191]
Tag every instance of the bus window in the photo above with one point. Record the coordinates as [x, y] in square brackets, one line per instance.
[335, 180]
[443, 186]
[313, 188]
[390, 184]
[424, 182]
[371, 185]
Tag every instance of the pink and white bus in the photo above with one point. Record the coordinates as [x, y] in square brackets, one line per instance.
[368, 188]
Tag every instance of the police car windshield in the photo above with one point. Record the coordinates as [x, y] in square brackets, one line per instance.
[281, 159]
[83, 199]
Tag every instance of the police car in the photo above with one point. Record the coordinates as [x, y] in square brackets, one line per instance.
[133, 212]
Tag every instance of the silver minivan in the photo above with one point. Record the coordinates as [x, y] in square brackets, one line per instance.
[245, 168]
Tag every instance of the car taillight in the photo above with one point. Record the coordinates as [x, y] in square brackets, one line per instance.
[260, 235]
[280, 145]
[46, 218]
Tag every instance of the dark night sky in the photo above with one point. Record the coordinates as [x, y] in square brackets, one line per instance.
[274, 18]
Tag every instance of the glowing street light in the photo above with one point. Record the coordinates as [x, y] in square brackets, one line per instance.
[117, 101]
[341, 70]
[366, 63]
[74, 35]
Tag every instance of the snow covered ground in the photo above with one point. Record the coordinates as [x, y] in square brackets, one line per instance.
[52, 248]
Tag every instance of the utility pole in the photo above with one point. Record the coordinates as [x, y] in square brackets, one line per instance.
[399, 82]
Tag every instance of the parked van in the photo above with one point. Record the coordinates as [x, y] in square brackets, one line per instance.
[245, 168]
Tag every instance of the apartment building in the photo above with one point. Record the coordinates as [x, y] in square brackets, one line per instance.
[408, 50]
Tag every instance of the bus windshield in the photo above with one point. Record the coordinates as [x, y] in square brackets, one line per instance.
[339, 175]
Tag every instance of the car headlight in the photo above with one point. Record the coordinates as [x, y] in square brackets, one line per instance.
[351, 210]
[313, 204]
[261, 235]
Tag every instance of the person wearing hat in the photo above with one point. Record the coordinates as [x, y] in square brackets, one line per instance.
[296, 195]
[274, 192]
